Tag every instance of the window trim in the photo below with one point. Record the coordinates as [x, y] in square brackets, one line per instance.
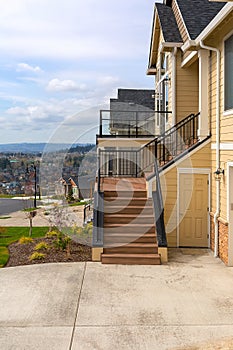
[226, 112]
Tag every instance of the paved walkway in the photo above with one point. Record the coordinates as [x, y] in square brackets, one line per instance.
[20, 218]
[186, 304]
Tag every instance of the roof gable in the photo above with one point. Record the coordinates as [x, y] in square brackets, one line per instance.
[197, 14]
[168, 23]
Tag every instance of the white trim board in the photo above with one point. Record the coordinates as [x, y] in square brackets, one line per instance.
[182, 19]
[230, 235]
[229, 164]
[190, 57]
[223, 146]
[204, 171]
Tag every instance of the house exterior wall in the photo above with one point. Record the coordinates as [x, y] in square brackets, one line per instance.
[216, 39]
[180, 22]
[187, 89]
[226, 125]
[200, 158]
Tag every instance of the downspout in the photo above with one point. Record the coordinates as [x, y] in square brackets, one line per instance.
[174, 53]
[217, 213]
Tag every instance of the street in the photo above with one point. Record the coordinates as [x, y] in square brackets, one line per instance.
[8, 205]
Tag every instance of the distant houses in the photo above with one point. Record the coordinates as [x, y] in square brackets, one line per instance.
[76, 187]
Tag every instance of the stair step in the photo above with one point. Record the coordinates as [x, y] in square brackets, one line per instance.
[130, 228]
[125, 201]
[126, 194]
[130, 209]
[131, 259]
[133, 248]
[123, 238]
[127, 218]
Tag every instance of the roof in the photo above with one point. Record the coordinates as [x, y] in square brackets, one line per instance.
[168, 24]
[197, 14]
[127, 97]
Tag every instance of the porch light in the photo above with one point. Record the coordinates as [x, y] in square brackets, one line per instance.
[218, 172]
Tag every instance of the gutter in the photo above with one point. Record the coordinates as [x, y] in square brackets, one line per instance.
[217, 213]
[173, 82]
[211, 26]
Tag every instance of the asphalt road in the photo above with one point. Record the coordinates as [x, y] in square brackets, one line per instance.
[8, 206]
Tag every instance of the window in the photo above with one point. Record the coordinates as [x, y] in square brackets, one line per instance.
[228, 88]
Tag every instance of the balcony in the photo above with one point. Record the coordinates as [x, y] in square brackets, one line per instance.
[130, 124]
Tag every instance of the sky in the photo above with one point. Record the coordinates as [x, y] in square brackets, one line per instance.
[62, 60]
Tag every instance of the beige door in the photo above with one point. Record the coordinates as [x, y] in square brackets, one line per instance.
[193, 212]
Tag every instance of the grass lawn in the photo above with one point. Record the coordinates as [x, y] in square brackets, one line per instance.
[9, 235]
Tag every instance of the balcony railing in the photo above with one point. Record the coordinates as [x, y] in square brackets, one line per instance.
[129, 124]
[166, 148]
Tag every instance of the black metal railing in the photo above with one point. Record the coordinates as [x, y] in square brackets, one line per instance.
[98, 212]
[167, 147]
[159, 210]
[87, 213]
[123, 162]
[151, 158]
[130, 124]
[174, 142]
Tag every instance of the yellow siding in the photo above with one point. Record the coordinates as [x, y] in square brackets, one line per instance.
[199, 159]
[187, 87]
[225, 156]
[180, 22]
[226, 122]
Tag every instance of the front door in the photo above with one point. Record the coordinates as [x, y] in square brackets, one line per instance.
[193, 210]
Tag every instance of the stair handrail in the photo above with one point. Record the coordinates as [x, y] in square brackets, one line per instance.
[172, 129]
[159, 209]
[98, 211]
[167, 134]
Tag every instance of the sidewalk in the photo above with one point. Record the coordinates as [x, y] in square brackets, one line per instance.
[20, 219]
[89, 306]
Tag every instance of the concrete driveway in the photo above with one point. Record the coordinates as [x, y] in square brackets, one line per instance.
[186, 304]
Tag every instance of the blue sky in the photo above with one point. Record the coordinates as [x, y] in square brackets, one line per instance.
[62, 60]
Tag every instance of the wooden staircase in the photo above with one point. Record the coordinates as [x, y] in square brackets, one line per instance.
[129, 228]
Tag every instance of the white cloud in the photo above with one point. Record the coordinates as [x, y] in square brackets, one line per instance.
[74, 29]
[57, 85]
[18, 111]
[108, 80]
[85, 47]
[25, 67]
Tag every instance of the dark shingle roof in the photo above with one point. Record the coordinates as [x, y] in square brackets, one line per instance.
[140, 97]
[197, 14]
[168, 24]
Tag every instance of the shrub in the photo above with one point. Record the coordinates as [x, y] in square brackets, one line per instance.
[62, 241]
[4, 256]
[25, 240]
[37, 256]
[41, 246]
[52, 233]
[2, 230]
[83, 234]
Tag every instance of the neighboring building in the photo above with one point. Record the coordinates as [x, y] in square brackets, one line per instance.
[191, 56]
[77, 187]
[133, 99]
[70, 187]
